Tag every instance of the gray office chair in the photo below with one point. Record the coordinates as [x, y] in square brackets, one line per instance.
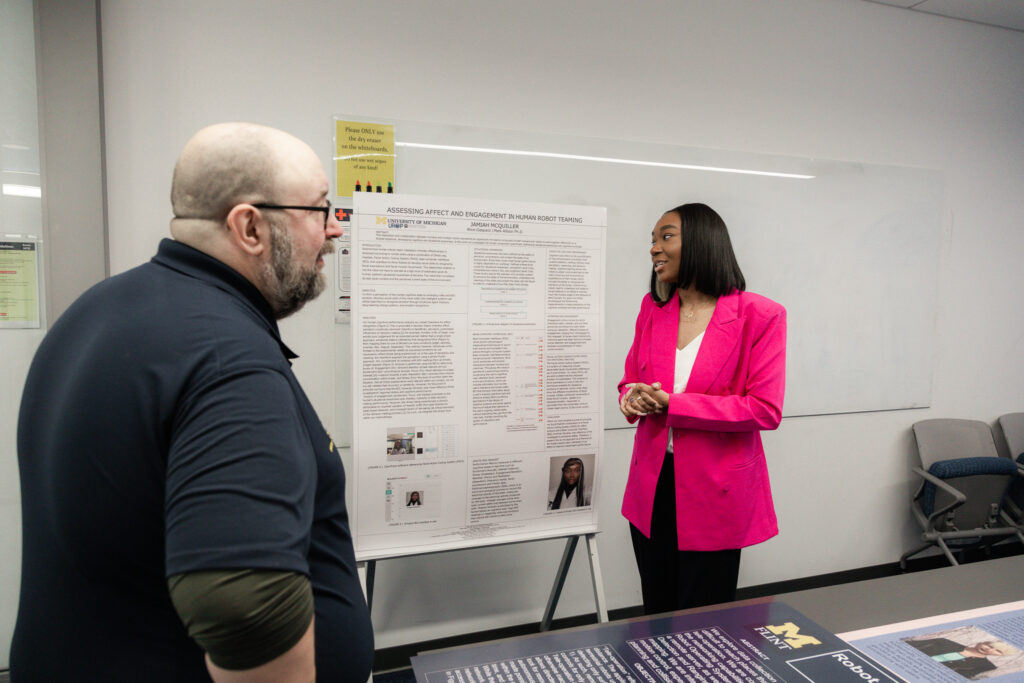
[1012, 425]
[960, 500]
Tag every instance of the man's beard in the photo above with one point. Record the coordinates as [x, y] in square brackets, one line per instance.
[287, 285]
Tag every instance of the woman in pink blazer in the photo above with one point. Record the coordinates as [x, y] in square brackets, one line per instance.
[705, 374]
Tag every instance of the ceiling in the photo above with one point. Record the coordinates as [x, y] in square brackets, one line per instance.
[1004, 13]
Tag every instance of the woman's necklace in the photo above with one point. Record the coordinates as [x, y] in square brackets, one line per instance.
[688, 317]
[692, 314]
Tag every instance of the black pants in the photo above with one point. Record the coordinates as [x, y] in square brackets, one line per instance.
[674, 579]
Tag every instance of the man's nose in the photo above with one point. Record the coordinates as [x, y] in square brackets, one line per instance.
[334, 228]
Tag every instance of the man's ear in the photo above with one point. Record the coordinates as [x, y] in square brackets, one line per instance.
[248, 229]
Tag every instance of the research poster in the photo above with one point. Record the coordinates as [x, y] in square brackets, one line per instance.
[768, 642]
[19, 284]
[975, 645]
[477, 356]
[343, 267]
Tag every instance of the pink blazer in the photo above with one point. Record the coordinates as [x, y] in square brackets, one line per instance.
[723, 497]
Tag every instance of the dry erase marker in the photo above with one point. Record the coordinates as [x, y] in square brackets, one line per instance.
[391, 190]
[359, 188]
[378, 188]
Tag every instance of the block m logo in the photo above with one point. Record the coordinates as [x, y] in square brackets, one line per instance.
[791, 633]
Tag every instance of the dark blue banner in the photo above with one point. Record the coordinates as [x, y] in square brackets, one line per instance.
[767, 642]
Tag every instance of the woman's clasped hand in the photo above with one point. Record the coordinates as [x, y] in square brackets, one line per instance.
[643, 399]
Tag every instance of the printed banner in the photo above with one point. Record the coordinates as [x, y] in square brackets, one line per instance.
[768, 642]
[975, 645]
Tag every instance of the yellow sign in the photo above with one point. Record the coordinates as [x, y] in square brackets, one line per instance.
[19, 286]
[364, 156]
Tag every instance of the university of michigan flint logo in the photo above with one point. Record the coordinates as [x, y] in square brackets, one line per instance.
[786, 636]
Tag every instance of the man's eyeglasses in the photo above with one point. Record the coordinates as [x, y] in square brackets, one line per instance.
[325, 209]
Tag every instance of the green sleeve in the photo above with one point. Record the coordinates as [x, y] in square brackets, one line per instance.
[243, 618]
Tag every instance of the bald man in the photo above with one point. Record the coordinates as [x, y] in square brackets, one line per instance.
[183, 509]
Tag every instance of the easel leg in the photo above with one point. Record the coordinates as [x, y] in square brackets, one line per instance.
[366, 571]
[595, 574]
[556, 589]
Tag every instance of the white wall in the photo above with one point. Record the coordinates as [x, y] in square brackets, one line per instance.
[837, 79]
[19, 164]
[51, 135]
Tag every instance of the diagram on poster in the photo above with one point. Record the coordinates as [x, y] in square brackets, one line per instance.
[477, 356]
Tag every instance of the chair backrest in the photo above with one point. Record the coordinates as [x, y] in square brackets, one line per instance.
[947, 439]
[971, 443]
[1012, 425]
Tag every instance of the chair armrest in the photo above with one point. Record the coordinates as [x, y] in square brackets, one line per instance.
[1017, 514]
[959, 498]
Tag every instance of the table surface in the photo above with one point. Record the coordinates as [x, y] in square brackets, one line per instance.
[889, 600]
[877, 602]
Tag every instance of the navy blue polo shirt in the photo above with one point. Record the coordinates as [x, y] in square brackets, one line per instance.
[162, 431]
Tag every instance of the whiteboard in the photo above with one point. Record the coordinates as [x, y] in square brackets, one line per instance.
[852, 251]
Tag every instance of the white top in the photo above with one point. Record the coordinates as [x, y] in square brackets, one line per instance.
[685, 358]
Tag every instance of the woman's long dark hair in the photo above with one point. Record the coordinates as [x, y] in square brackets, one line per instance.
[565, 491]
[706, 257]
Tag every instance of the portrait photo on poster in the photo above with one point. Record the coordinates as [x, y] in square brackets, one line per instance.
[570, 481]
